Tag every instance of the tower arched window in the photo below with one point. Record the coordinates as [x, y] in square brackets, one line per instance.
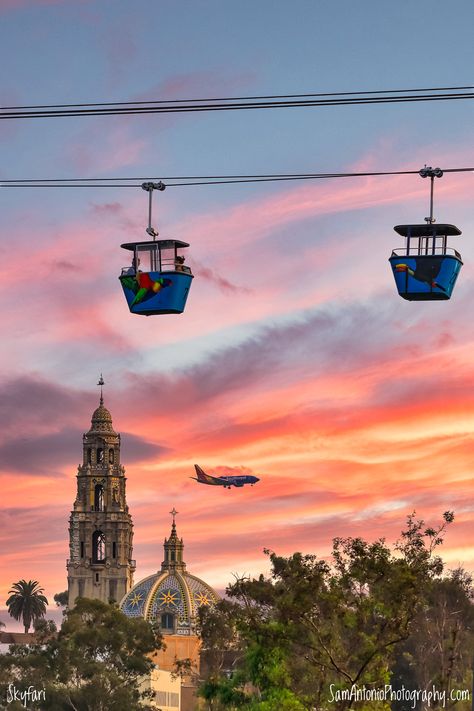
[98, 547]
[111, 456]
[89, 455]
[99, 497]
[167, 621]
[100, 455]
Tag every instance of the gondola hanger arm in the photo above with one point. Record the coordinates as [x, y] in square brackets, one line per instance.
[149, 187]
[432, 173]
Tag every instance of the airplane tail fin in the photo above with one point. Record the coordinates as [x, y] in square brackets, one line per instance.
[201, 475]
[204, 478]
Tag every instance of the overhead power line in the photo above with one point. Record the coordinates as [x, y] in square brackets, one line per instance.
[237, 103]
[188, 180]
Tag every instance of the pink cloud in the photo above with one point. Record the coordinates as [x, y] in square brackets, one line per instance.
[251, 293]
[202, 272]
[256, 218]
[120, 149]
[198, 85]
[352, 412]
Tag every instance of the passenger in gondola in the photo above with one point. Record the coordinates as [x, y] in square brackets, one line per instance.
[160, 284]
[133, 268]
[179, 264]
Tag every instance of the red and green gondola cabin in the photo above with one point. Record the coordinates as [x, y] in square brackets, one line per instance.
[426, 269]
[156, 281]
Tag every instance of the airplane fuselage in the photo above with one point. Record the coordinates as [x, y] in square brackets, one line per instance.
[238, 481]
[226, 481]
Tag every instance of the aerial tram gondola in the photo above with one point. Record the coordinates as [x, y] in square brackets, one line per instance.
[157, 281]
[426, 269]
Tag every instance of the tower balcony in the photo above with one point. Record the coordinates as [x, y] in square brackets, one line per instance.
[97, 563]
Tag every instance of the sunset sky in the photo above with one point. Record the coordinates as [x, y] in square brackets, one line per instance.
[295, 359]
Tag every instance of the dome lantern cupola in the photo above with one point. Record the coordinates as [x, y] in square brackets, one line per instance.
[173, 547]
[101, 421]
[101, 444]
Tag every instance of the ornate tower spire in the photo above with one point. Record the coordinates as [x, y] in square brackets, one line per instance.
[101, 383]
[173, 512]
[100, 526]
[173, 549]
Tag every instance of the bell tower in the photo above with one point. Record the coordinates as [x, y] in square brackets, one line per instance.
[100, 526]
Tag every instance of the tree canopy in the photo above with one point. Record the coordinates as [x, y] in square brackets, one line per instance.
[442, 636]
[61, 599]
[94, 663]
[313, 628]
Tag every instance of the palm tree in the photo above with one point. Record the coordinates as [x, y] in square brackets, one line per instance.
[26, 602]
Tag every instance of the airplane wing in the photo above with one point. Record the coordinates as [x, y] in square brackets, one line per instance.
[204, 478]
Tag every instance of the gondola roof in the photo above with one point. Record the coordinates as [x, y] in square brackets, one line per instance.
[163, 244]
[427, 230]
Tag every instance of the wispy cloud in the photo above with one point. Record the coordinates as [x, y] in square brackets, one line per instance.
[198, 85]
[120, 149]
[351, 406]
[202, 272]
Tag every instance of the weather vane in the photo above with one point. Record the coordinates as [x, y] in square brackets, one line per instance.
[101, 383]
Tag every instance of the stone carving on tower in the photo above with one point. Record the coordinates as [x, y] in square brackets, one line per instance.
[100, 527]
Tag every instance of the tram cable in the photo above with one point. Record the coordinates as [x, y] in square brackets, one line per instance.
[236, 103]
[196, 180]
[240, 98]
[157, 282]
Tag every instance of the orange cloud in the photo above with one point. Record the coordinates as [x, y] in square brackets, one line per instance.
[352, 406]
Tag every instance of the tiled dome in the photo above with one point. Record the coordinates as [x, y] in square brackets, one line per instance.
[101, 419]
[172, 596]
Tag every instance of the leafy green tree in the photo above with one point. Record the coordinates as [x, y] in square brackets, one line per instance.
[312, 629]
[44, 630]
[61, 599]
[443, 637]
[94, 663]
[26, 602]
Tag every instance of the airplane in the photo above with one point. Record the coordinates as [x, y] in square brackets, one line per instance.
[225, 481]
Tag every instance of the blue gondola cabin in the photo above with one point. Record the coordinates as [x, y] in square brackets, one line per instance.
[426, 269]
[156, 281]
